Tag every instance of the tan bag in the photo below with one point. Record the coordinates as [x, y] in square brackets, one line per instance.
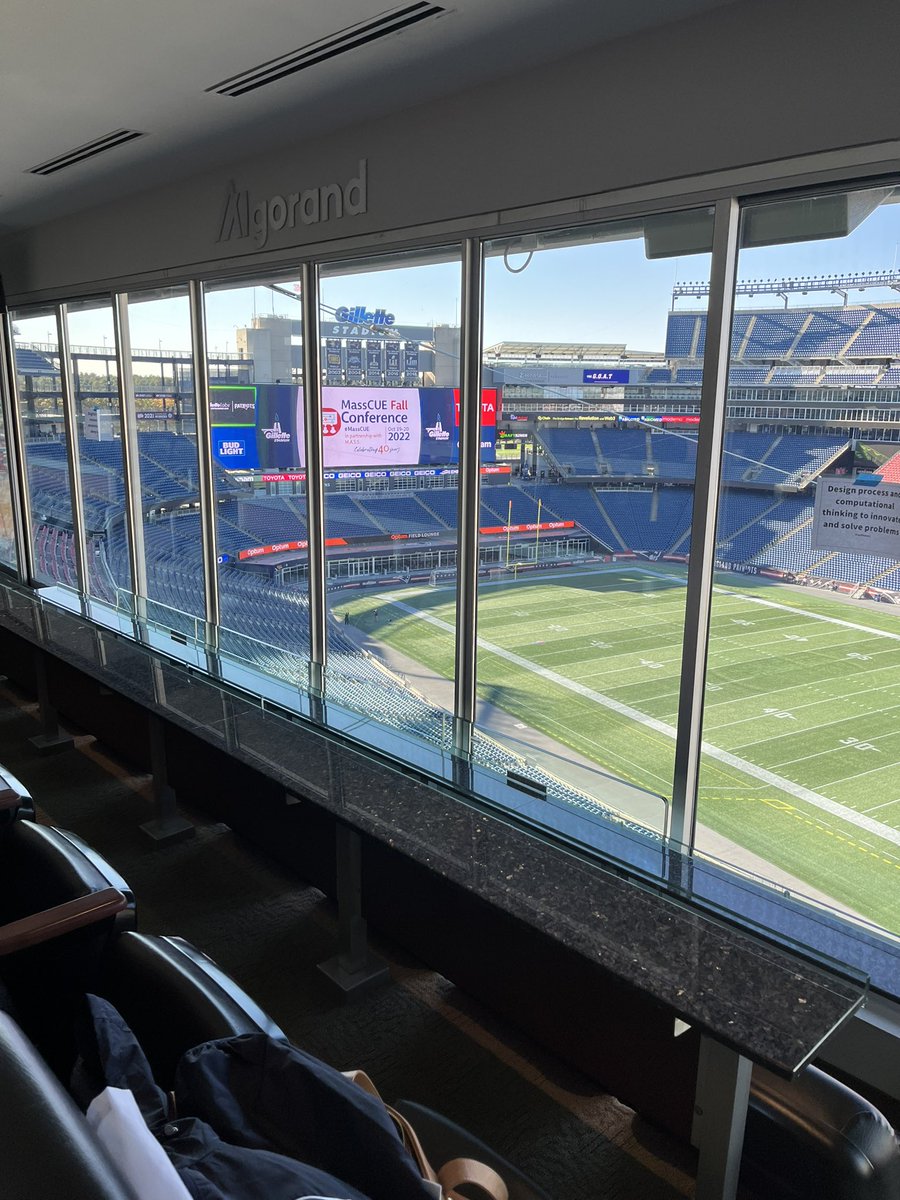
[458, 1172]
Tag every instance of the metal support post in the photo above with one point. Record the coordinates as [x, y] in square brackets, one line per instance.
[53, 739]
[131, 469]
[355, 967]
[315, 482]
[469, 498]
[206, 464]
[720, 1114]
[73, 450]
[167, 825]
[698, 601]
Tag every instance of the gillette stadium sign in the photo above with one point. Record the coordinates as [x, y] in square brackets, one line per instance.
[359, 316]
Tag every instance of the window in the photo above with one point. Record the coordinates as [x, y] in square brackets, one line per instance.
[98, 421]
[36, 352]
[584, 541]
[254, 362]
[167, 465]
[390, 360]
[799, 777]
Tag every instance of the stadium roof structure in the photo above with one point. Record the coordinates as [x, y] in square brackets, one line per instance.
[838, 285]
[568, 352]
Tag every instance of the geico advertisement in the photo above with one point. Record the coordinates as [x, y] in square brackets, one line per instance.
[362, 427]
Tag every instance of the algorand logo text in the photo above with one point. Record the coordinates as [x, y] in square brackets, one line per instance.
[242, 218]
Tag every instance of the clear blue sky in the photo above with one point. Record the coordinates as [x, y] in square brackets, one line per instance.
[599, 292]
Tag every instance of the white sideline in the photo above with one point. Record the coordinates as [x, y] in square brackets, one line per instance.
[793, 789]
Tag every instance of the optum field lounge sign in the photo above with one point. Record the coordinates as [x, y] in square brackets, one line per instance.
[244, 216]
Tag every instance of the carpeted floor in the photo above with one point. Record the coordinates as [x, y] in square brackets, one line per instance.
[417, 1036]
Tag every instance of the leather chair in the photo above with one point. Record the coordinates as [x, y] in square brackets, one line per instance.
[48, 1150]
[444, 1140]
[60, 906]
[174, 997]
[812, 1137]
[15, 799]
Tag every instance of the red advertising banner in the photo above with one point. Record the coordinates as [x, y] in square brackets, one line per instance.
[531, 528]
[282, 547]
[489, 405]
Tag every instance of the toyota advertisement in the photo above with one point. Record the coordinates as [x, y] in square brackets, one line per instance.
[260, 428]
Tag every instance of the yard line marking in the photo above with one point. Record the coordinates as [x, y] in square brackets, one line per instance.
[891, 766]
[793, 789]
[886, 804]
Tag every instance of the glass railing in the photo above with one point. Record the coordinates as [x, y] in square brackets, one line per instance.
[219, 688]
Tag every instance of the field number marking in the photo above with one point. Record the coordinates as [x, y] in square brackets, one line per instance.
[857, 744]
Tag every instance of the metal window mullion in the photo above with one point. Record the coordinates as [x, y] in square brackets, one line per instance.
[131, 470]
[315, 482]
[205, 462]
[469, 498]
[15, 454]
[73, 449]
[698, 602]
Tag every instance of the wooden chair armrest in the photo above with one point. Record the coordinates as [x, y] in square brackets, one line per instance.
[61, 919]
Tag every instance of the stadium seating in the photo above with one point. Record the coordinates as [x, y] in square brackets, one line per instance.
[60, 905]
[53, 1151]
[681, 331]
[814, 1137]
[573, 450]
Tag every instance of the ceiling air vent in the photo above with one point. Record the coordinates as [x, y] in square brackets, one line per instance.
[81, 153]
[330, 47]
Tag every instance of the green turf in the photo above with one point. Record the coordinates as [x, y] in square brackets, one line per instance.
[815, 702]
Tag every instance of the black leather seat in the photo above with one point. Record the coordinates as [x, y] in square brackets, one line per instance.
[174, 997]
[48, 1149]
[15, 799]
[60, 906]
[444, 1140]
[813, 1138]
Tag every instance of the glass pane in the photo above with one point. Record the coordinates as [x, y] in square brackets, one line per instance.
[799, 778]
[98, 418]
[168, 470]
[36, 350]
[585, 525]
[390, 354]
[254, 355]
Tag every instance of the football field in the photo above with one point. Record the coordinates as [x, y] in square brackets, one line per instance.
[802, 724]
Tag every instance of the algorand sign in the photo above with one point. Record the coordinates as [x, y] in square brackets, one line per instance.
[243, 218]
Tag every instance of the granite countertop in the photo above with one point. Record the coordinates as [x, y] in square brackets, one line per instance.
[775, 1006]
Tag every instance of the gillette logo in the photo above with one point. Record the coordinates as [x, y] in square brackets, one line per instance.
[276, 433]
[437, 432]
[359, 316]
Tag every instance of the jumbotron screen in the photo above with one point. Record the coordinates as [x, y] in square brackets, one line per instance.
[260, 427]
